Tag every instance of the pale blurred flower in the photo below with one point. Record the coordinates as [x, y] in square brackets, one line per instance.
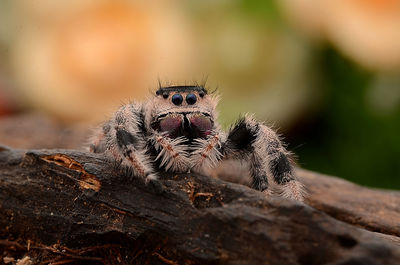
[368, 31]
[80, 59]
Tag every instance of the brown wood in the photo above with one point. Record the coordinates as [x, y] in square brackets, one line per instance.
[67, 206]
[373, 209]
[72, 206]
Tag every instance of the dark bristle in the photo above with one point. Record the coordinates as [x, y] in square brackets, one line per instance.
[169, 89]
[241, 137]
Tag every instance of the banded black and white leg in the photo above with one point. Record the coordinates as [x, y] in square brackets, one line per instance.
[268, 159]
[122, 138]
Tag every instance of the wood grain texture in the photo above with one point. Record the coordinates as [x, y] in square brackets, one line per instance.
[79, 201]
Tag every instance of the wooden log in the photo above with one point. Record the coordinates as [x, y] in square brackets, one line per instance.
[373, 209]
[72, 206]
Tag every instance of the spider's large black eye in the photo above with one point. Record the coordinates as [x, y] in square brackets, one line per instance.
[191, 99]
[177, 99]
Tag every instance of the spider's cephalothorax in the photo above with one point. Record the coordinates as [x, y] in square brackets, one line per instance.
[176, 130]
[182, 111]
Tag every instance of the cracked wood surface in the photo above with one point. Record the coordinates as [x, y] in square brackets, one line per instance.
[78, 199]
[66, 206]
[373, 209]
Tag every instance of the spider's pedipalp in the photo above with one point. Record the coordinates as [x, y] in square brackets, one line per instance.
[172, 154]
[206, 153]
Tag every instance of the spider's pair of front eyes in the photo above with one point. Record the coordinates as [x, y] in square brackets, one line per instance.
[177, 99]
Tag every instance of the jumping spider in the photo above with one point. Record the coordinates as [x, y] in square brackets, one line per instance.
[176, 130]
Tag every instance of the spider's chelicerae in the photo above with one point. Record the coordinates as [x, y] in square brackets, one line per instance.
[176, 130]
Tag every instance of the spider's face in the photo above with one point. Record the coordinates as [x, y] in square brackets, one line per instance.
[182, 111]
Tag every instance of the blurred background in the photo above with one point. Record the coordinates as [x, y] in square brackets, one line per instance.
[325, 74]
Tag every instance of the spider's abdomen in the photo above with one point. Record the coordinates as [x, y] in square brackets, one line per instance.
[189, 125]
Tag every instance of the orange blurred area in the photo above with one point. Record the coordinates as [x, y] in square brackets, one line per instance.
[367, 31]
[80, 61]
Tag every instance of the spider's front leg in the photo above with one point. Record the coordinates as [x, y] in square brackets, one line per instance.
[123, 139]
[269, 160]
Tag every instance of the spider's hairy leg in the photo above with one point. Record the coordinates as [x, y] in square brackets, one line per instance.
[122, 138]
[269, 160]
[172, 153]
[96, 143]
[207, 152]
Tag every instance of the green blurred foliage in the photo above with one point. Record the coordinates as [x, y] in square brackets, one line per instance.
[263, 10]
[348, 137]
[354, 131]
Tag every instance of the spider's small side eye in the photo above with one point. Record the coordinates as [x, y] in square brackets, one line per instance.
[201, 94]
[165, 95]
[177, 99]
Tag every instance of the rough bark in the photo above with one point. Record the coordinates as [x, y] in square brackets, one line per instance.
[59, 206]
[72, 206]
[35, 131]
